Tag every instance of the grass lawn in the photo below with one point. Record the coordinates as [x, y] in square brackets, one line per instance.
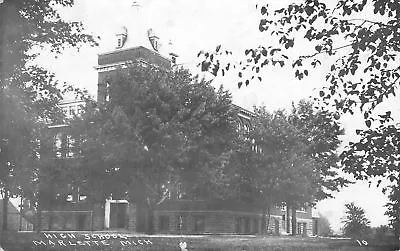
[107, 241]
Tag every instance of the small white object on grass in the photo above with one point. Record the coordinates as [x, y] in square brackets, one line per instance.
[182, 245]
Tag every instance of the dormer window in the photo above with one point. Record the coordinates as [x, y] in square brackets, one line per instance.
[153, 39]
[173, 57]
[172, 54]
[122, 34]
[119, 42]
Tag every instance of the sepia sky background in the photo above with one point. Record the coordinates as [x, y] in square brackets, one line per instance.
[202, 25]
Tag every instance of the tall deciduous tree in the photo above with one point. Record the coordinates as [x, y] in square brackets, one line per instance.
[28, 93]
[355, 222]
[290, 157]
[161, 134]
[284, 173]
[319, 131]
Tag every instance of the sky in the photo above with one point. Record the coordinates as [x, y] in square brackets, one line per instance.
[193, 26]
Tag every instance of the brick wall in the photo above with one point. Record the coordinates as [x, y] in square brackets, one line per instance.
[277, 219]
[98, 216]
[214, 222]
[13, 218]
[66, 220]
[132, 217]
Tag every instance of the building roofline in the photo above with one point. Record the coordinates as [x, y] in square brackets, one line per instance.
[130, 48]
[244, 111]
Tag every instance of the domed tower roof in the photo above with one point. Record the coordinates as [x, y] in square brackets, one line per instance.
[134, 38]
[133, 24]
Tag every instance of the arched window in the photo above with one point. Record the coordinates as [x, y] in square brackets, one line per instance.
[107, 92]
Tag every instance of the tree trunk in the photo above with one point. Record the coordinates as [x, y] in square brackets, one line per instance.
[51, 204]
[38, 218]
[5, 208]
[39, 210]
[263, 222]
[268, 218]
[397, 201]
[287, 218]
[149, 220]
[294, 220]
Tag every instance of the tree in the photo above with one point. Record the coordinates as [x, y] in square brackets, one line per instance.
[360, 40]
[382, 234]
[380, 150]
[162, 134]
[289, 157]
[393, 209]
[356, 225]
[28, 93]
[285, 172]
[324, 227]
[318, 131]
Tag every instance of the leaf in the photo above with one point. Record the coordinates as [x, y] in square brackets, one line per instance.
[264, 52]
[263, 10]
[274, 50]
[205, 66]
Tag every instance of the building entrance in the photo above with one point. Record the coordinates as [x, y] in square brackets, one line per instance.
[118, 215]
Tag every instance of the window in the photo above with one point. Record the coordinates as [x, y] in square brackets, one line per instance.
[299, 228]
[82, 197]
[71, 191]
[255, 226]
[164, 222]
[71, 110]
[239, 126]
[70, 198]
[238, 224]
[181, 222]
[58, 145]
[199, 221]
[79, 109]
[70, 146]
[302, 208]
[276, 224]
[107, 92]
[119, 42]
[247, 225]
